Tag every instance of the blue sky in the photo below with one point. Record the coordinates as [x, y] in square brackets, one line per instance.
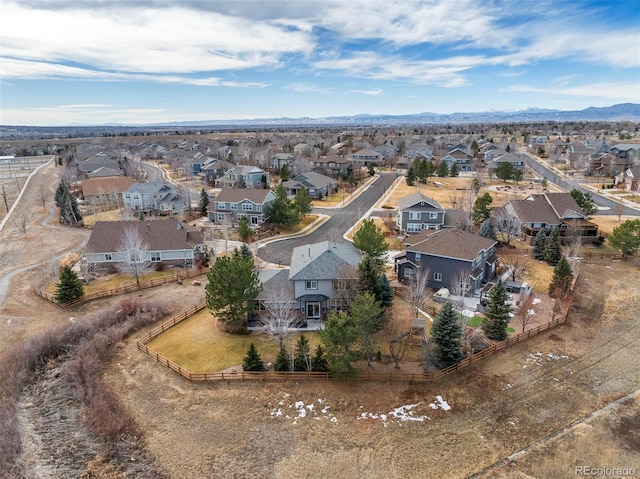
[92, 62]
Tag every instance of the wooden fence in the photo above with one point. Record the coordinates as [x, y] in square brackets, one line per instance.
[425, 377]
[584, 254]
[122, 290]
[402, 292]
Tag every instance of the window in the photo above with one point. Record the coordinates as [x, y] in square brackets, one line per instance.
[311, 285]
[258, 207]
[234, 206]
[312, 192]
[127, 195]
[108, 257]
[221, 217]
[247, 207]
[433, 216]
[437, 276]
[222, 205]
[418, 257]
[413, 228]
[414, 215]
[409, 273]
[136, 197]
[341, 285]
[255, 220]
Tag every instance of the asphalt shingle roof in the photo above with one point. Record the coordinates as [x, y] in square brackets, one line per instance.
[452, 243]
[324, 260]
[548, 208]
[235, 195]
[409, 201]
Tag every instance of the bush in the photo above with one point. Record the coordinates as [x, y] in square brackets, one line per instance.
[160, 266]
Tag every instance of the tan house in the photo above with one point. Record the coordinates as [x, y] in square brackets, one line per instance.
[105, 190]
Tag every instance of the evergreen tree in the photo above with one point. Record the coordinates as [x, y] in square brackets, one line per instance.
[246, 253]
[517, 175]
[447, 333]
[285, 172]
[562, 279]
[282, 361]
[244, 229]
[487, 230]
[626, 237]
[302, 357]
[69, 287]
[411, 176]
[60, 192]
[282, 212]
[386, 292]
[474, 147]
[539, 244]
[505, 171]
[339, 337]
[369, 272]
[420, 168]
[69, 212]
[454, 171]
[429, 169]
[553, 250]
[367, 318]
[481, 208]
[303, 202]
[585, 202]
[371, 170]
[319, 361]
[443, 169]
[252, 361]
[369, 239]
[497, 313]
[544, 183]
[204, 202]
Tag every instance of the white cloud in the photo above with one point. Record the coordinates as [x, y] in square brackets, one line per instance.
[619, 92]
[308, 88]
[374, 92]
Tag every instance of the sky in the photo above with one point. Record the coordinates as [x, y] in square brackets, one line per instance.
[92, 62]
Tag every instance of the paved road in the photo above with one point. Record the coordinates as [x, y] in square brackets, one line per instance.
[341, 220]
[568, 185]
[153, 172]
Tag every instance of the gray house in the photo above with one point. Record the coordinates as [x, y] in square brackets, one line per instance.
[418, 212]
[242, 176]
[316, 184]
[156, 197]
[167, 241]
[448, 254]
[233, 203]
[278, 160]
[214, 169]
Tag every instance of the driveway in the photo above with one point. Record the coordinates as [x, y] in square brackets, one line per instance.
[341, 219]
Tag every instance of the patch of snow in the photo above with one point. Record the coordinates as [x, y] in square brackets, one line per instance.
[531, 312]
[467, 313]
[536, 301]
[302, 410]
[398, 415]
[511, 315]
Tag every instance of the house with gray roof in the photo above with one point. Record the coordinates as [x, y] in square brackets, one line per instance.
[629, 179]
[318, 186]
[278, 160]
[550, 211]
[157, 197]
[231, 204]
[517, 162]
[367, 157]
[449, 254]
[243, 176]
[333, 166]
[214, 169]
[168, 241]
[418, 212]
[628, 151]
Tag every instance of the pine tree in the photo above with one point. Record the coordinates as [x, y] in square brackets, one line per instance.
[454, 171]
[481, 208]
[553, 250]
[244, 229]
[446, 332]
[562, 279]
[60, 192]
[319, 361]
[496, 313]
[411, 176]
[443, 169]
[252, 361]
[302, 356]
[69, 212]
[369, 271]
[371, 170]
[285, 173]
[282, 361]
[303, 202]
[245, 252]
[69, 287]
[204, 202]
[539, 245]
[487, 230]
[386, 292]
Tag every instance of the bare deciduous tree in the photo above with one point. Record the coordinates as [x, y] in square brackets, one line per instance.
[397, 341]
[517, 263]
[22, 224]
[43, 197]
[462, 288]
[507, 224]
[133, 251]
[417, 287]
[572, 247]
[279, 315]
[526, 313]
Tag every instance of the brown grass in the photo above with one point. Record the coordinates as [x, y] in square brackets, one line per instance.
[606, 223]
[538, 275]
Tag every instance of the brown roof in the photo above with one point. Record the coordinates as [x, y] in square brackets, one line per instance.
[452, 243]
[235, 195]
[159, 235]
[547, 208]
[105, 185]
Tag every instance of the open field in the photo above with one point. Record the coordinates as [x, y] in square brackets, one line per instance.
[606, 223]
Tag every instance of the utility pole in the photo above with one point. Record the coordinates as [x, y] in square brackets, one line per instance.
[4, 195]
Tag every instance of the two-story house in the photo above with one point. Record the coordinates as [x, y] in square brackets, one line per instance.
[158, 197]
[318, 186]
[214, 169]
[243, 176]
[367, 157]
[107, 190]
[550, 211]
[418, 212]
[449, 254]
[231, 204]
[278, 160]
[169, 241]
[332, 166]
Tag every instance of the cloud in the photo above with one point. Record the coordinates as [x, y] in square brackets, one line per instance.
[374, 92]
[308, 88]
[619, 92]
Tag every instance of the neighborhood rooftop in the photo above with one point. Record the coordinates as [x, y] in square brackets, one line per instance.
[322, 260]
[451, 243]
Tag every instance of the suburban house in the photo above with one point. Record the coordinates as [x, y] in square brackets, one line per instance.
[316, 184]
[233, 203]
[302, 149]
[324, 277]
[418, 150]
[517, 161]
[628, 151]
[367, 157]
[278, 160]
[168, 241]
[214, 169]
[449, 254]
[100, 160]
[243, 176]
[418, 212]
[332, 166]
[104, 172]
[628, 179]
[107, 190]
[548, 211]
[157, 197]
[460, 157]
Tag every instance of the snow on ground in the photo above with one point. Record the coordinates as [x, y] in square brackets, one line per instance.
[539, 358]
[288, 408]
[536, 301]
[398, 415]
